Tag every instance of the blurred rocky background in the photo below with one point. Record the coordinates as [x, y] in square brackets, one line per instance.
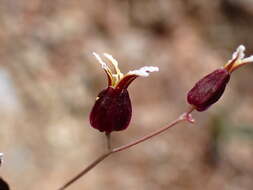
[49, 81]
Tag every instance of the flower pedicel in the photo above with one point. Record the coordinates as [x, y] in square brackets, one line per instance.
[210, 88]
[112, 110]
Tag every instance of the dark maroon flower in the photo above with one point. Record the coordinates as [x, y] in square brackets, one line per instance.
[209, 89]
[112, 110]
[3, 184]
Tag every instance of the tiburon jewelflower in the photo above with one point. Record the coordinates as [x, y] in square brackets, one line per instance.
[210, 88]
[112, 110]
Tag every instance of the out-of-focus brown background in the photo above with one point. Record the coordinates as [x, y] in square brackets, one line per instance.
[49, 81]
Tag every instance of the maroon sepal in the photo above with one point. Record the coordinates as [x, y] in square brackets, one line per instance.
[112, 110]
[208, 90]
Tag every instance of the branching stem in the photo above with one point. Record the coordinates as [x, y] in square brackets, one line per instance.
[184, 117]
[88, 168]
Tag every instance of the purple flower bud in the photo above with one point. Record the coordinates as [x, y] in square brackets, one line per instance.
[112, 110]
[209, 89]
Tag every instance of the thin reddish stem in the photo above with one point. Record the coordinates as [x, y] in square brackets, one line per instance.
[108, 141]
[157, 132]
[86, 170]
[184, 117]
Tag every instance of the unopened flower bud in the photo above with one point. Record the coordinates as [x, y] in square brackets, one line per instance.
[210, 88]
[112, 110]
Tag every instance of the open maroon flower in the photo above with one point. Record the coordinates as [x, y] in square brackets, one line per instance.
[112, 110]
[210, 88]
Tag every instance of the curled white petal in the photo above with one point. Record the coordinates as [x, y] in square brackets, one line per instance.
[248, 59]
[114, 62]
[143, 71]
[103, 64]
[110, 57]
[238, 59]
[239, 53]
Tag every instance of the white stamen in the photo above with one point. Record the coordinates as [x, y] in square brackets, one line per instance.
[143, 71]
[103, 64]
